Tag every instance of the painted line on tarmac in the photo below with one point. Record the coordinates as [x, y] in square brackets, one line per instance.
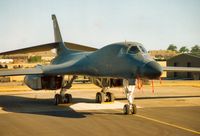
[97, 106]
[168, 124]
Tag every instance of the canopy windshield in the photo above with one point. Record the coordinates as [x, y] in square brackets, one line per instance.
[133, 50]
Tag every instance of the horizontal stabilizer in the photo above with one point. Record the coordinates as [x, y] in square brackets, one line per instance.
[17, 72]
[181, 69]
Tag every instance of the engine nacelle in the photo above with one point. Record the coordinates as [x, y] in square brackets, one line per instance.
[40, 82]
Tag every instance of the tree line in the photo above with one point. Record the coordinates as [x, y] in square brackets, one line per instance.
[194, 50]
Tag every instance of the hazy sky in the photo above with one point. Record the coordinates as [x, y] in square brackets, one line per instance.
[154, 23]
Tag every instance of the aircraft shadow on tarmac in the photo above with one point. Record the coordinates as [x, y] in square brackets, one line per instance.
[19, 104]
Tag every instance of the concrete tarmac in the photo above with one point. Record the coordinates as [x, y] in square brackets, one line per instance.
[174, 111]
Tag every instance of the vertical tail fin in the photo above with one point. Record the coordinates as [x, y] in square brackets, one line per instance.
[57, 35]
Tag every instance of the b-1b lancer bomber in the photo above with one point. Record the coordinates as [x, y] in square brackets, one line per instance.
[115, 65]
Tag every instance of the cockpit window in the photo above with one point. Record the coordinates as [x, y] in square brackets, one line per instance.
[133, 50]
[143, 49]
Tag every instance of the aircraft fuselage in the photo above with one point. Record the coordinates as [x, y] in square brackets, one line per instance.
[115, 61]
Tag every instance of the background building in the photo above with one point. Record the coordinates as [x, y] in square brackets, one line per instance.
[184, 60]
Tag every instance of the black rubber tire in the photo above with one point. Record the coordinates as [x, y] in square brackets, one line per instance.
[100, 97]
[107, 96]
[126, 109]
[134, 109]
[57, 99]
[68, 98]
[110, 97]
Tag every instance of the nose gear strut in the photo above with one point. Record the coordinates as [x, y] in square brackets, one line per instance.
[129, 87]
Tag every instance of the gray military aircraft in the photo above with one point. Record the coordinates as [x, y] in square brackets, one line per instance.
[114, 65]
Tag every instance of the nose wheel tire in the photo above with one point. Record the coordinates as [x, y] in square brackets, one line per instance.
[126, 109]
[134, 109]
[130, 109]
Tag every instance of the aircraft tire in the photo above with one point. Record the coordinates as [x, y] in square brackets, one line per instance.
[57, 99]
[126, 109]
[134, 109]
[100, 97]
[68, 98]
[110, 97]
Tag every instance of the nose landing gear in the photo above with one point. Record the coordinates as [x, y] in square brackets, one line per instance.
[129, 109]
[129, 87]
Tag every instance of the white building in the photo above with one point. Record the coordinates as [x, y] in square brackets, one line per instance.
[6, 61]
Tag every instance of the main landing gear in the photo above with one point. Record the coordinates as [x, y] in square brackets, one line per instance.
[63, 97]
[129, 86]
[104, 96]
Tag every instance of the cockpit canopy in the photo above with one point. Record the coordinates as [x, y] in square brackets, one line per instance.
[134, 49]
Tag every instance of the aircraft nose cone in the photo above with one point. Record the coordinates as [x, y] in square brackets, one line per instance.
[151, 70]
